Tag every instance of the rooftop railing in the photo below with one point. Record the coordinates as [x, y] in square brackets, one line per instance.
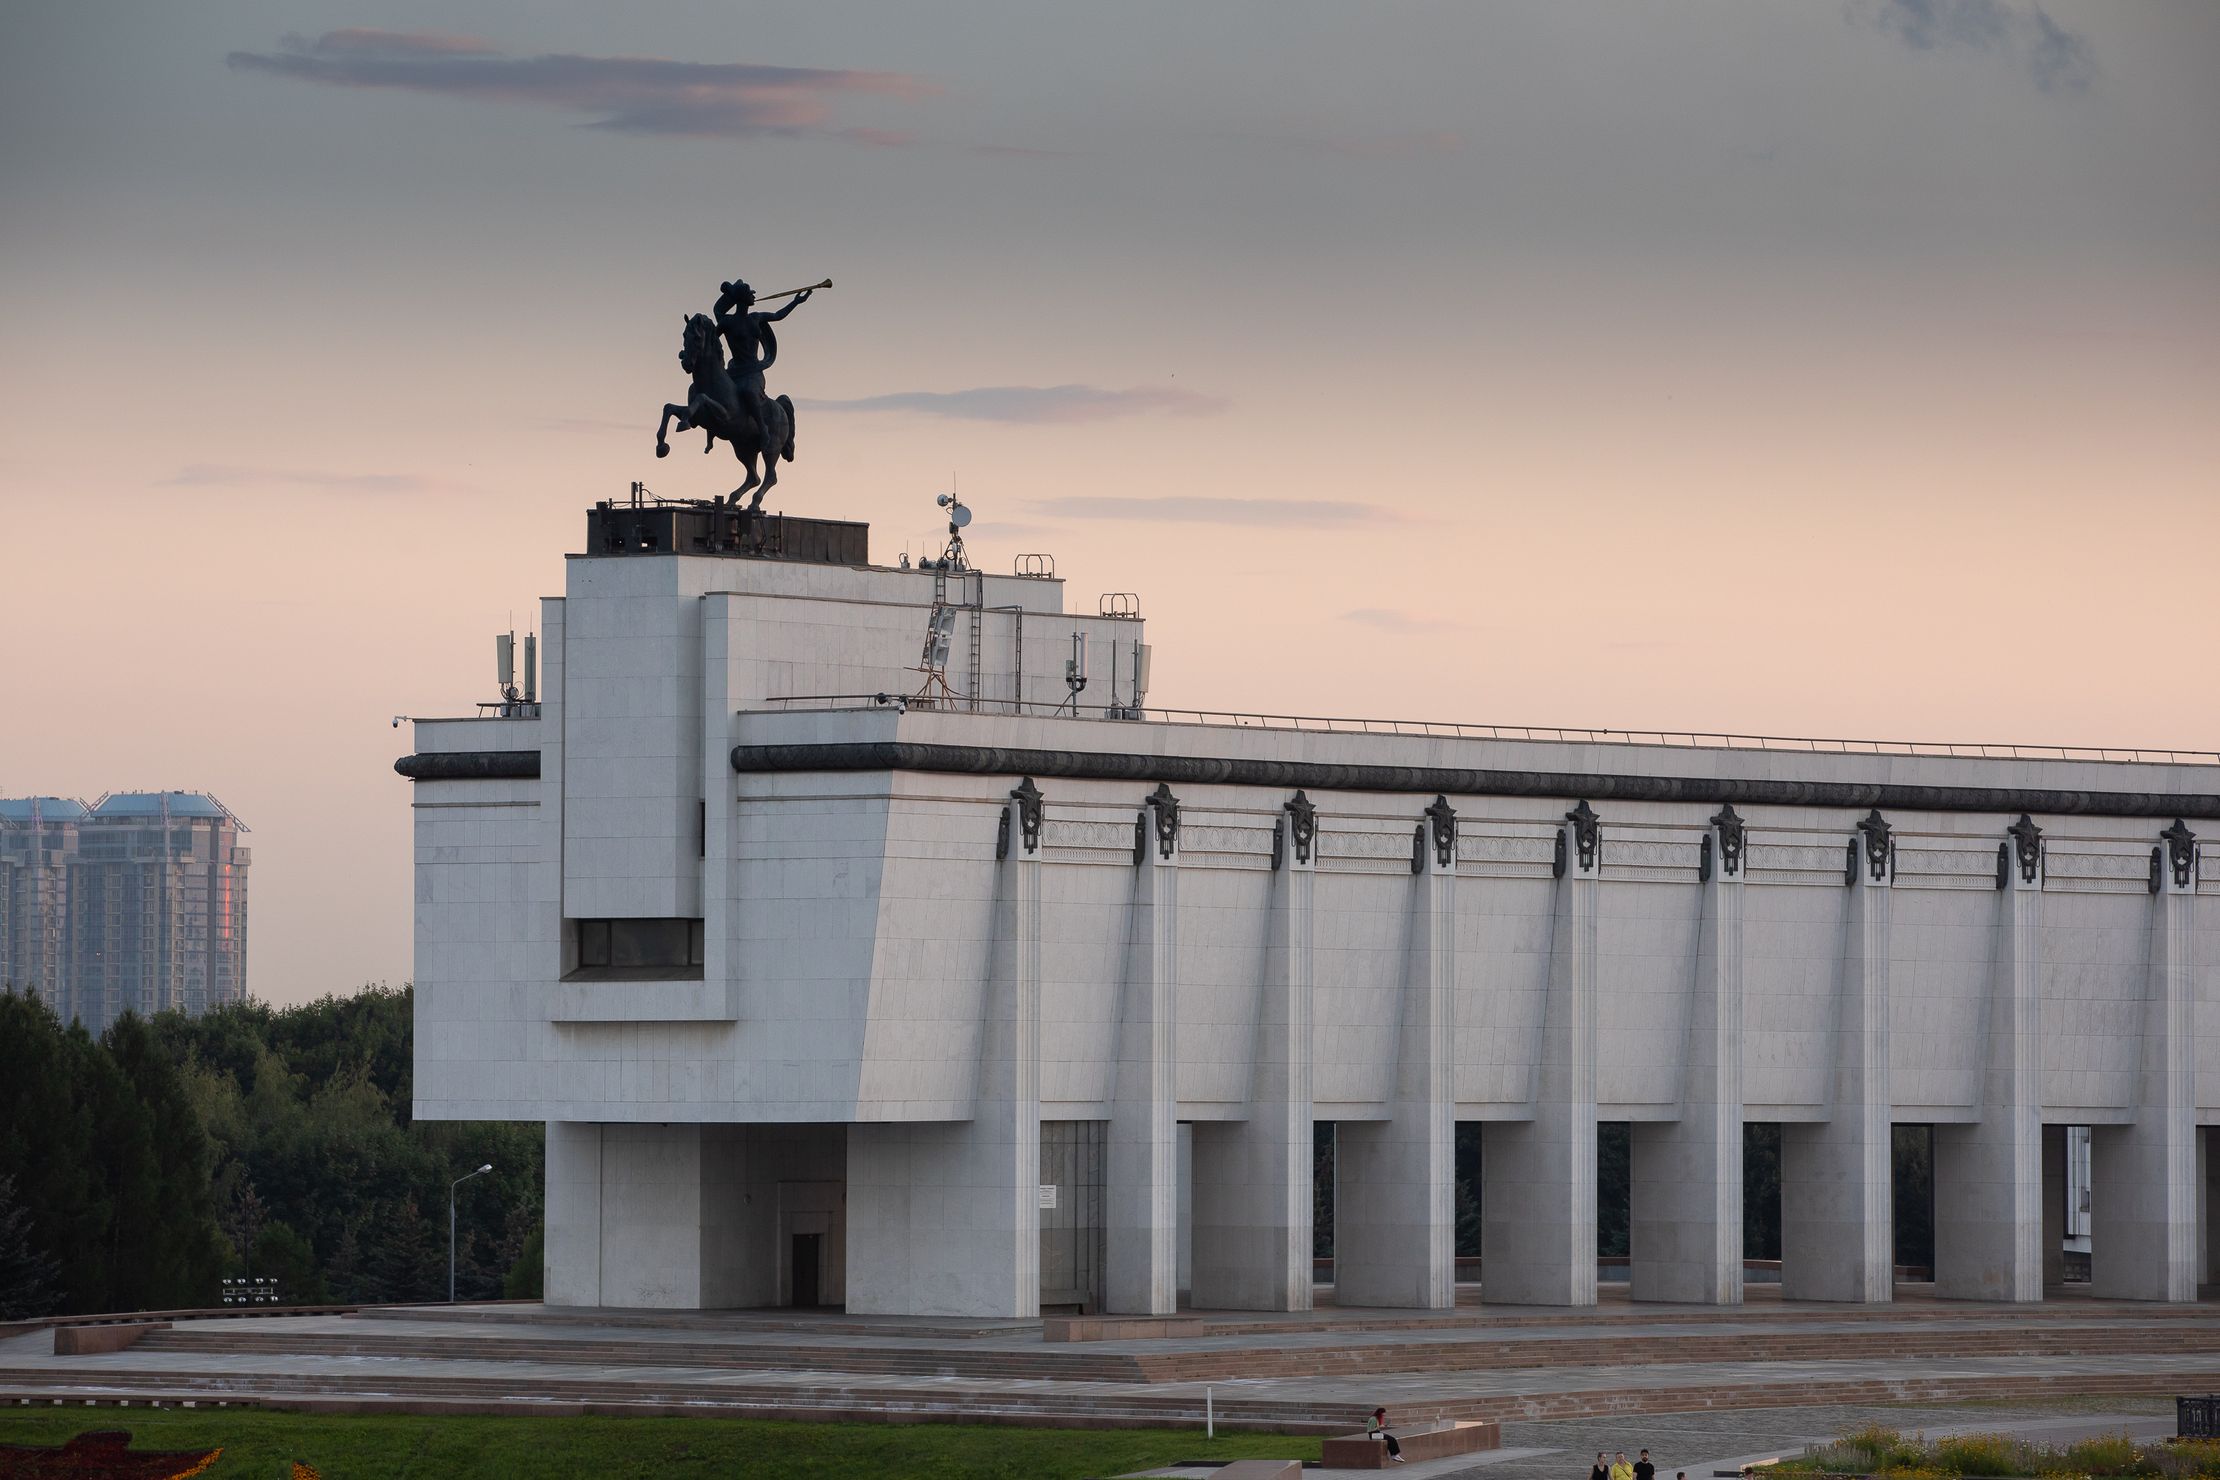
[1545, 734]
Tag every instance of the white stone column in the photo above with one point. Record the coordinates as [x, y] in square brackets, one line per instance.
[944, 1219]
[1141, 1203]
[1538, 1195]
[1989, 1175]
[1395, 1180]
[2054, 1206]
[1837, 1234]
[572, 1239]
[1252, 1177]
[2143, 1192]
[1686, 1197]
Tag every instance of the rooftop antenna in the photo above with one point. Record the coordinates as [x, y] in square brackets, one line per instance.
[516, 702]
[1075, 673]
[953, 554]
[940, 627]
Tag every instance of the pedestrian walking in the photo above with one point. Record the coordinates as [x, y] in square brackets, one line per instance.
[1620, 1469]
[1602, 1471]
[1643, 1469]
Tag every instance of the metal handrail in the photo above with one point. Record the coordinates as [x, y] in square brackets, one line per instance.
[1551, 734]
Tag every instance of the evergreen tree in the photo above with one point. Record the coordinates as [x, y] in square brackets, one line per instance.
[526, 1278]
[1614, 1187]
[281, 1254]
[178, 1248]
[29, 1279]
[405, 1266]
[1468, 1189]
[46, 1141]
[1761, 1190]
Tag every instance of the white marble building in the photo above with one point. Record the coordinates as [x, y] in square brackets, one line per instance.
[819, 1004]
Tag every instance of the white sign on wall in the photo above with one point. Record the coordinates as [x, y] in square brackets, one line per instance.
[1048, 1194]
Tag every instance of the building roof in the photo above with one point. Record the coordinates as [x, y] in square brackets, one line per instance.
[152, 804]
[49, 809]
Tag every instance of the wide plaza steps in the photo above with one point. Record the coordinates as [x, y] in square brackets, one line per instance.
[1137, 1362]
[1311, 1373]
[1041, 1405]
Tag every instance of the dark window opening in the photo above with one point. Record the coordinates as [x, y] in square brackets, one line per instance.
[637, 945]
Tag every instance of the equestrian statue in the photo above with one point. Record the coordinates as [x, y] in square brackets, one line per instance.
[727, 398]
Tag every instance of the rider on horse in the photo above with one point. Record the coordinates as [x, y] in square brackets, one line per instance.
[750, 342]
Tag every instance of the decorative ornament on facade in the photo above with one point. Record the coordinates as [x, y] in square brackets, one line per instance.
[1166, 807]
[2027, 846]
[1879, 840]
[1002, 836]
[1302, 824]
[1029, 803]
[1729, 825]
[1557, 857]
[1441, 820]
[1587, 833]
[2181, 852]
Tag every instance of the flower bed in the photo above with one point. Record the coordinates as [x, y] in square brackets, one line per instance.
[105, 1455]
[1885, 1454]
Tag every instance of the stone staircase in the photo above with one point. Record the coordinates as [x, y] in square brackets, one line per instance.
[1168, 1362]
[1039, 1405]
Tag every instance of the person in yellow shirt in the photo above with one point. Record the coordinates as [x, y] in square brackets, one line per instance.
[1620, 1469]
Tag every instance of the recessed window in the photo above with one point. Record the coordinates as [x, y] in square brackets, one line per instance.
[639, 945]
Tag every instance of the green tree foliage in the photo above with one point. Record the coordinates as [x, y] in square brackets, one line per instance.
[1322, 1190]
[529, 1273]
[250, 1140]
[28, 1276]
[1614, 1187]
[1913, 1149]
[1761, 1190]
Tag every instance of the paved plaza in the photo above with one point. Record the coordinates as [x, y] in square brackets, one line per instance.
[1724, 1382]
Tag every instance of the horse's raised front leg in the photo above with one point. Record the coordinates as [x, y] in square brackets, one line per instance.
[662, 431]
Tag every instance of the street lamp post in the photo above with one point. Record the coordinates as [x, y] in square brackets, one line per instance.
[451, 1225]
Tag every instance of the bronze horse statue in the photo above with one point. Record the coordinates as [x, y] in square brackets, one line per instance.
[732, 406]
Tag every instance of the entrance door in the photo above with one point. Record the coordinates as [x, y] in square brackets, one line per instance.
[808, 1251]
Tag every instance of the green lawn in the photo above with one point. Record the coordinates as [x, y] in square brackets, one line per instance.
[260, 1444]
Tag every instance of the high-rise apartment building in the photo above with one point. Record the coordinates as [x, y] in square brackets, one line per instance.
[136, 903]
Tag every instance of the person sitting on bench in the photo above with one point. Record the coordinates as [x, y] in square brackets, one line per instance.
[1379, 1431]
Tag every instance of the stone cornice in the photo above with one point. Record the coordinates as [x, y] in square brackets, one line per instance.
[470, 765]
[1097, 765]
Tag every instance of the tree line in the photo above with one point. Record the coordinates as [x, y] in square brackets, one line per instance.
[140, 1169]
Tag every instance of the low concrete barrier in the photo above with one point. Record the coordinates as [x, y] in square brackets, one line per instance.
[85, 1341]
[1260, 1469]
[1434, 1441]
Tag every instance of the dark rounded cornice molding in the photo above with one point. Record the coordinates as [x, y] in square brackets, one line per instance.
[1098, 765]
[470, 765]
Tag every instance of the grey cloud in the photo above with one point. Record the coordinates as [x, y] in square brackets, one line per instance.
[2058, 60]
[1287, 513]
[646, 95]
[226, 475]
[1038, 404]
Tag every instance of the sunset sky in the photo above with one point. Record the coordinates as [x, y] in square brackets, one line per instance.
[1827, 368]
